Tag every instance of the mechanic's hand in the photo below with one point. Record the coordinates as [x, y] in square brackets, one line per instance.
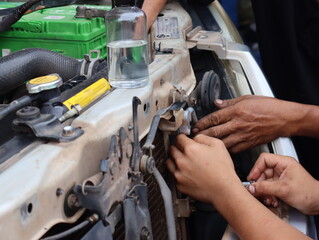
[202, 167]
[285, 178]
[248, 121]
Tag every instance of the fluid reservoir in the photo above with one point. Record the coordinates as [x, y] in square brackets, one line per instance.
[127, 51]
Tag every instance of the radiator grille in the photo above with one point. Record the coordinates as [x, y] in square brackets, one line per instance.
[155, 200]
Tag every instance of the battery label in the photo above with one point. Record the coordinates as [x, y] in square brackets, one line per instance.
[54, 17]
[167, 28]
[5, 52]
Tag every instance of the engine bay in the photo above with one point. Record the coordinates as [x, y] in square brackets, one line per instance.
[80, 159]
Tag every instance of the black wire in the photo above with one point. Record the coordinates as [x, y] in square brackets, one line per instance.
[24, 7]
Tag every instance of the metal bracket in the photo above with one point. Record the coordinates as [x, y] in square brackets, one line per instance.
[45, 126]
[189, 119]
[214, 41]
[89, 62]
[85, 12]
[160, 51]
[137, 151]
[155, 123]
[136, 214]
[116, 181]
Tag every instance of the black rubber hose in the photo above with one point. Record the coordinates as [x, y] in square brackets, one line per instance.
[11, 15]
[78, 88]
[24, 65]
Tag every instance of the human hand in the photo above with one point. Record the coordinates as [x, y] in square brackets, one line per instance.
[285, 178]
[248, 121]
[202, 167]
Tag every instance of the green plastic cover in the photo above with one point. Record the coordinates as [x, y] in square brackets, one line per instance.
[55, 29]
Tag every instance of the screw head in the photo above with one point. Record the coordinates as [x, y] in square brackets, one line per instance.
[145, 234]
[68, 131]
[72, 201]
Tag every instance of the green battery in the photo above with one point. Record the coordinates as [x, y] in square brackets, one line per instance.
[56, 29]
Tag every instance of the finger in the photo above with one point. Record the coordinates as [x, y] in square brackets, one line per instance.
[265, 188]
[206, 140]
[238, 141]
[182, 141]
[230, 102]
[267, 200]
[178, 158]
[274, 201]
[226, 103]
[262, 177]
[213, 119]
[234, 147]
[270, 201]
[171, 166]
[269, 173]
[175, 153]
[218, 131]
[265, 160]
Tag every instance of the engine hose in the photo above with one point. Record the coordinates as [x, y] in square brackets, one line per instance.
[167, 198]
[71, 92]
[12, 15]
[68, 232]
[23, 65]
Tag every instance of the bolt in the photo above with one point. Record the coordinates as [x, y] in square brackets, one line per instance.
[145, 234]
[130, 127]
[147, 164]
[59, 192]
[28, 113]
[73, 201]
[68, 131]
[93, 218]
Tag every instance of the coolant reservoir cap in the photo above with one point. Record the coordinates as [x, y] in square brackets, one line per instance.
[40, 84]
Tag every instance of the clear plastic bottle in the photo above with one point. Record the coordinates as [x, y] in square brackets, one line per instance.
[127, 50]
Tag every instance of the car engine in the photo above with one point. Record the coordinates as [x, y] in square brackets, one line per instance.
[82, 160]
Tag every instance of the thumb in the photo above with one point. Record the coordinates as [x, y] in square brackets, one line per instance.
[264, 188]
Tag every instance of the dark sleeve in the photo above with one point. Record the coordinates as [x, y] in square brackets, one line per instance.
[202, 2]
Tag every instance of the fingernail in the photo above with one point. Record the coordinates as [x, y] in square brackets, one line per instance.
[219, 101]
[195, 130]
[251, 189]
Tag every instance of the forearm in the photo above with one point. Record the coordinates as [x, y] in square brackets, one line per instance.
[308, 122]
[309, 199]
[249, 218]
[152, 8]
